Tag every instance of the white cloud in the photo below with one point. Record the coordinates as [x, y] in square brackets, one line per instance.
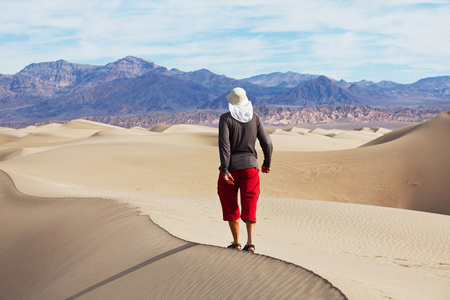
[262, 35]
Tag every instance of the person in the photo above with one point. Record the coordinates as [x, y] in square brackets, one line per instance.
[238, 130]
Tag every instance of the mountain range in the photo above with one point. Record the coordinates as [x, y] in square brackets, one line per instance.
[62, 90]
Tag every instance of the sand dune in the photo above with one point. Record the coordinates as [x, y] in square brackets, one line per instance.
[97, 249]
[427, 165]
[324, 132]
[407, 168]
[319, 139]
[8, 135]
[358, 135]
[46, 127]
[170, 174]
[160, 127]
[119, 132]
[39, 140]
[368, 252]
[85, 124]
[189, 128]
[297, 130]
[7, 138]
[10, 153]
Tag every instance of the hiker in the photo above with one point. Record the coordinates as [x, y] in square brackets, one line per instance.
[238, 130]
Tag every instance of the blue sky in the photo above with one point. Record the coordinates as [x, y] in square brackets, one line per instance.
[397, 40]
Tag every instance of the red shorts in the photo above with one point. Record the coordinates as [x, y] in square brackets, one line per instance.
[247, 181]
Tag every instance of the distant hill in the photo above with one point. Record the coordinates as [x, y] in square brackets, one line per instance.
[317, 91]
[61, 90]
[280, 116]
[288, 79]
[149, 92]
[39, 82]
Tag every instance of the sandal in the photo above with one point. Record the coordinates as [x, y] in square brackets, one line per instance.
[249, 248]
[235, 246]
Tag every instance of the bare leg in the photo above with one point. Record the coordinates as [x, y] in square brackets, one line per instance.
[234, 226]
[250, 231]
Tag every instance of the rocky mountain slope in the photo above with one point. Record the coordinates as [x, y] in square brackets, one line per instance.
[317, 91]
[282, 116]
[288, 79]
[61, 90]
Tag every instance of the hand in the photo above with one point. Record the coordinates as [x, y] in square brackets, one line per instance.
[229, 179]
[265, 169]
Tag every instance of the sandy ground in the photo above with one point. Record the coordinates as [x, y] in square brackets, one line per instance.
[378, 250]
[98, 249]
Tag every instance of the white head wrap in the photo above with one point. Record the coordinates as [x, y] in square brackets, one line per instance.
[240, 107]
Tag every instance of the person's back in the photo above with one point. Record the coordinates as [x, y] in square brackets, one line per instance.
[238, 131]
[240, 139]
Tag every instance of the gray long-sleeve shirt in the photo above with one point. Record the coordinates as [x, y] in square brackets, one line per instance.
[237, 143]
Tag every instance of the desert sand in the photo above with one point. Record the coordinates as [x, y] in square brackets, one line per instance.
[94, 211]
